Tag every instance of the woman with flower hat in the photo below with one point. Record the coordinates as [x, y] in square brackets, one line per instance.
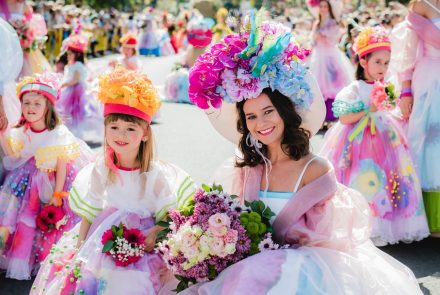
[256, 83]
[43, 158]
[328, 64]
[417, 57]
[125, 188]
[128, 49]
[369, 150]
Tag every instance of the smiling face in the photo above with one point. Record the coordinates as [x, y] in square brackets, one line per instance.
[34, 107]
[125, 137]
[127, 51]
[376, 65]
[263, 120]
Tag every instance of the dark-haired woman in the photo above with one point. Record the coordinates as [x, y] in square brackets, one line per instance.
[370, 152]
[322, 227]
[328, 64]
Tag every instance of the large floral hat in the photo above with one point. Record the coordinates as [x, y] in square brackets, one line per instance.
[126, 92]
[46, 84]
[243, 65]
[199, 32]
[371, 39]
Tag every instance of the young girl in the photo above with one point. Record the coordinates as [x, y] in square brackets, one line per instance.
[72, 100]
[126, 187]
[370, 152]
[328, 64]
[128, 50]
[323, 226]
[43, 157]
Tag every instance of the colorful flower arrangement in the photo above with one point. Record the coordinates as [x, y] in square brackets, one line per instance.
[370, 39]
[125, 246]
[51, 217]
[384, 96]
[31, 31]
[244, 64]
[211, 233]
[313, 3]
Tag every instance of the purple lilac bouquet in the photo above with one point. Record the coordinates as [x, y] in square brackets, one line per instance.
[244, 64]
[211, 233]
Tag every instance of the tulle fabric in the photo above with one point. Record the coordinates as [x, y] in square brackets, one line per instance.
[372, 164]
[22, 196]
[313, 270]
[176, 86]
[34, 62]
[136, 200]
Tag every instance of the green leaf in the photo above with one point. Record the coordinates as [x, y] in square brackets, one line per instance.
[247, 204]
[206, 188]
[233, 197]
[108, 246]
[163, 223]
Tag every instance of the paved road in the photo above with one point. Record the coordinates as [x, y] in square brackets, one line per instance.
[185, 137]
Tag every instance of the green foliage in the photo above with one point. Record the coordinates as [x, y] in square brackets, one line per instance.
[256, 223]
[183, 283]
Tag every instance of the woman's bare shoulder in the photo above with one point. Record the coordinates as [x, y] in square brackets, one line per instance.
[317, 168]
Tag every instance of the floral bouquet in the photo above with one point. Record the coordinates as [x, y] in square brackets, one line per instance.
[125, 246]
[210, 233]
[31, 31]
[51, 217]
[384, 96]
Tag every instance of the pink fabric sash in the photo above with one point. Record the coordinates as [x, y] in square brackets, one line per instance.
[323, 213]
[424, 28]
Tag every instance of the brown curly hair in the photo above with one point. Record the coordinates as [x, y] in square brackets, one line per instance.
[295, 142]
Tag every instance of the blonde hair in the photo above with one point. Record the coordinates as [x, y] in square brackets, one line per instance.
[51, 118]
[146, 148]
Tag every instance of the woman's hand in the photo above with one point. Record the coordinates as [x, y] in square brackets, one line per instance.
[150, 240]
[406, 106]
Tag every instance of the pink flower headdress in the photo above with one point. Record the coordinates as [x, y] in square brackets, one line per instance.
[372, 39]
[47, 84]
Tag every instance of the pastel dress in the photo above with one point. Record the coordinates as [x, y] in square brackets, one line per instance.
[325, 227]
[373, 157]
[417, 56]
[329, 65]
[81, 112]
[72, 103]
[27, 188]
[136, 200]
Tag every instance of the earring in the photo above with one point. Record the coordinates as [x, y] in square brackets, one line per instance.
[144, 139]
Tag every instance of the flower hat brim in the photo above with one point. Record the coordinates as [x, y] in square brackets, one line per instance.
[224, 119]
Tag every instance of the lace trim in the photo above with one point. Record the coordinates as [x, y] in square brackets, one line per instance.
[16, 145]
[342, 108]
[47, 154]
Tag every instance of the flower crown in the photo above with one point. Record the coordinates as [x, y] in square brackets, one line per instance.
[246, 63]
[126, 92]
[77, 43]
[47, 84]
[371, 39]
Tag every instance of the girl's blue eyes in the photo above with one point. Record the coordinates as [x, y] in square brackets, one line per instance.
[116, 128]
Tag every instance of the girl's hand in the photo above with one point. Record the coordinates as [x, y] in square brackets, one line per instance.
[373, 108]
[406, 106]
[150, 240]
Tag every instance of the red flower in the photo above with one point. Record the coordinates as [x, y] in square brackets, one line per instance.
[49, 216]
[134, 236]
[107, 236]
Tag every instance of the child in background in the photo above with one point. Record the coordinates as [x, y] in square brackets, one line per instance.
[370, 152]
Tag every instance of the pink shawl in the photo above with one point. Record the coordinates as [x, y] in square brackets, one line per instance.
[424, 29]
[323, 213]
